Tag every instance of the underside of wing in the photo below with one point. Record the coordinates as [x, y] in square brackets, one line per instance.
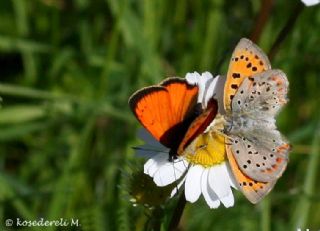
[247, 60]
[253, 190]
[261, 161]
[263, 96]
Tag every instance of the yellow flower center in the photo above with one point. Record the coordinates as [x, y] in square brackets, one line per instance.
[207, 149]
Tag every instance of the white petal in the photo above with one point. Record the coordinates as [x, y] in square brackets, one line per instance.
[232, 180]
[205, 77]
[210, 197]
[310, 2]
[219, 180]
[169, 173]
[147, 165]
[228, 201]
[192, 184]
[155, 164]
[210, 90]
[193, 78]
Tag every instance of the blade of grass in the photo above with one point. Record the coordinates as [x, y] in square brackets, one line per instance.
[21, 113]
[265, 214]
[210, 45]
[302, 210]
[29, 62]
[18, 131]
[11, 44]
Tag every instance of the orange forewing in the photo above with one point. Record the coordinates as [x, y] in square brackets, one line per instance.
[246, 61]
[164, 108]
[253, 190]
[182, 97]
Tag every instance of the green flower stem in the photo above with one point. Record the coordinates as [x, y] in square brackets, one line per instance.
[177, 214]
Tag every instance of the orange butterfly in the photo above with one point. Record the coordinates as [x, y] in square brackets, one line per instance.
[170, 112]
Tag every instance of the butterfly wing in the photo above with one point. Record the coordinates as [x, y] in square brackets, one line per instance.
[247, 60]
[260, 162]
[263, 96]
[253, 190]
[163, 109]
[253, 94]
[199, 125]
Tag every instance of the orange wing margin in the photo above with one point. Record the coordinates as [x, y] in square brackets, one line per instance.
[162, 109]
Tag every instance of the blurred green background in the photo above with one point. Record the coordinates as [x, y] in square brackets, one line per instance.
[67, 68]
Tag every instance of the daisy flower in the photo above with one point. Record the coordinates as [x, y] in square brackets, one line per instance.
[205, 172]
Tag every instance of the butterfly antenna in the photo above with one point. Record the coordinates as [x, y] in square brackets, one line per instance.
[175, 177]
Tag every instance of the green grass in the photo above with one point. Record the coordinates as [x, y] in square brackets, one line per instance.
[66, 132]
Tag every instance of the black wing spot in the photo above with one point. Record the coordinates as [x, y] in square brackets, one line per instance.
[247, 59]
[244, 166]
[258, 165]
[254, 69]
[234, 86]
[237, 151]
[249, 161]
[241, 57]
[236, 75]
[250, 184]
[236, 59]
[265, 158]
[241, 92]
[256, 56]
[231, 97]
[249, 65]
[239, 102]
